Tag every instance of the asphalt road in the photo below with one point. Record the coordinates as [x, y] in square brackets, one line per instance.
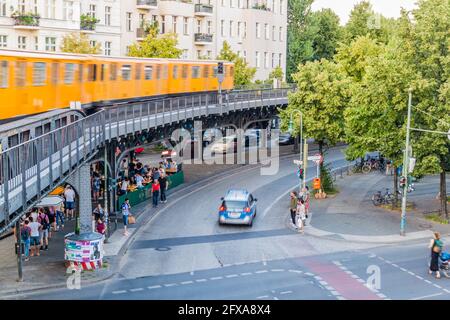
[182, 253]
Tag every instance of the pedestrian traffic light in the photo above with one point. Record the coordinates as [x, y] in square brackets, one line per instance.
[220, 68]
[300, 173]
[402, 182]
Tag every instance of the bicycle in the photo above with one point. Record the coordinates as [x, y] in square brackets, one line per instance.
[387, 198]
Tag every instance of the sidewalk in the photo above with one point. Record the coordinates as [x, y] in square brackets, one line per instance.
[350, 215]
[48, 270]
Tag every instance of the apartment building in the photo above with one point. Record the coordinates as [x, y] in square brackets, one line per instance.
[41, 24]
[255, 29]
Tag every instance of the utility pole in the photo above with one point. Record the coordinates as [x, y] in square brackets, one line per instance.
[105, 192]
[305, 162]
[406, 165]
[19, 251]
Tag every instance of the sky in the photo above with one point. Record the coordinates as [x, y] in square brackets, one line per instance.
[388, 8]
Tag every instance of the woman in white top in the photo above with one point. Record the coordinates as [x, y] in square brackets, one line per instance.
[301, 215]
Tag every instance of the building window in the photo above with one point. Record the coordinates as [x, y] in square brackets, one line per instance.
[273, 6]
[281, 6]
[222, 3]
[244, 55]
[22, 42]
[258, 31]
[128, 21]
[50, 44]
[199, 54]
[279, 60]
[163, 24]
[36, 43]
[3, 6]
[231, 3]
[273, 33]
[231, 28]
[50, 9]
[185, 53]
[68, 10]
[245, 30]
[35, 6]
[239, 29]
[3, 41]
[266, 60]
[22, 6]
[107, 16]
[93, 43]
[257, 59]
[174, 24]
[222, 28]
[209, 54]
[107, 48]
[273, 60]
[141, 20]
[185, 25]
[280, 34]
[154, 18]
[266, 31]
[127, 50]
[199, 26]
[209, 27]
[92, 10]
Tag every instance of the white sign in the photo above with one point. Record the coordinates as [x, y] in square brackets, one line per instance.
[298, 162]
[412, 164]
[316, 158]
[448, 135]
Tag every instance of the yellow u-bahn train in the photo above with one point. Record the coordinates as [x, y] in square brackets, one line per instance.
[33, 82]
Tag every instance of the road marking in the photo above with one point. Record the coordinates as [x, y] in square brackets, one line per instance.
[334, 292]
[246, 274]
[170, 284]
[262, 297]
[261, 271]
[187, 282]
[296, 271]
[200, 280]
[154, 287]
[446, 290]
[324, 283]
[277, 270]
[309, 274]
[428, 281]
[428, 296]
[285, 292]
[215, 278]
[275, 298]
[437, 286]
[340, 298]
[119, 291]
[231, 276]
[136, 289]
[337, 263]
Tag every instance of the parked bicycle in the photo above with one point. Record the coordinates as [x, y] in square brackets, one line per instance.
[373, 164]
[379, 199]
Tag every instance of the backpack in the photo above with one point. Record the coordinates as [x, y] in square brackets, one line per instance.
[25, 233]
[44, 222]
[97, 183]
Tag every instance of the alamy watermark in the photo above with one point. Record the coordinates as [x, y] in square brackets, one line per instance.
[374, 21]
[374, 280]
[74, 280]
[223, 149]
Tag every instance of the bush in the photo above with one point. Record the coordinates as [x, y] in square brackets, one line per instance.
[326, 179]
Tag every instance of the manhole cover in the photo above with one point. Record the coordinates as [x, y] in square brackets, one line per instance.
[163, 249]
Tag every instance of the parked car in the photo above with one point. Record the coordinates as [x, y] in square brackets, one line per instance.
[224, 145]
[238, 207]
[285, 139]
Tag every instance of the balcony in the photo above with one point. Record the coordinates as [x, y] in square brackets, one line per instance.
[202, 10]
[202, 39]
[146, 4]
[141, 34]
[26, 21]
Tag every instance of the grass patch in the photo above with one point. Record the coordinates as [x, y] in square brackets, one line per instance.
[398, 207]
[436, 218]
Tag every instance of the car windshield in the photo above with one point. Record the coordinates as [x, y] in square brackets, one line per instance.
[230, 205]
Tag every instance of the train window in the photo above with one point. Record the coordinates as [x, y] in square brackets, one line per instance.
[195, 72]
[126, 72]
[102, 72]
[4, 74]
[80, 72]
[158, 72]
[165, 71]
[39, 73]
[175, 72]
[92, 72]
[55, 68]
[214, 74]
[69, 70]
[184, 72]
[20, 73]
[205, 71]
[138, 71]
[113, 71]
[148, 71]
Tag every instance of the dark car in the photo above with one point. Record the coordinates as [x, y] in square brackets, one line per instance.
[285, 139]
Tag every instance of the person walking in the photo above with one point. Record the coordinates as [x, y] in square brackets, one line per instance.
[59, 217]
[97, 214]
[163, 186]
[155, 192]
[306, 197]
[34, 236]
[293, 206]
[69, 195]
[43, 232]
[301, 216]
[125, 213]
[52, 219]
[435, 245]
[25, 236]
[101, 227]
[96, 185]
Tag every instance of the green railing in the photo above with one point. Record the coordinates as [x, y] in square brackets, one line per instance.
[145, 193]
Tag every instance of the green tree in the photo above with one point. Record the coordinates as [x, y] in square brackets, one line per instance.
[322, 95]
[155, 45]
[243, 74]
[327, 33]
[276, 73]
[78, 43]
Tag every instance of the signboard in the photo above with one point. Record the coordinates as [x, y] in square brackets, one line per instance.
[83, 250]
[298, 162]
[316, 158]
[412, 164]
[316, 184]
[448, 135]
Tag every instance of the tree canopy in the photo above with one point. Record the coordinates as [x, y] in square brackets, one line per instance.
[79, 43]
[243, 73]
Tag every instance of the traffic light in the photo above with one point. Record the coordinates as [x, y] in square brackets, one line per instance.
[220, 68]
[300, 173]
[402, 182]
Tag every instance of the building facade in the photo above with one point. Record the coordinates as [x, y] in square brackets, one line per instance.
[255, 29]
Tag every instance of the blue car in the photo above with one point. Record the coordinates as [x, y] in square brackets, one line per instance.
[238, 207]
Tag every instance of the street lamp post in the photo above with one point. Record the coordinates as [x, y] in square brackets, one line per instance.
[301, 141]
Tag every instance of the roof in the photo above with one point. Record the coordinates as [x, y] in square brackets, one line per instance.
[50, 201]
[236, 195]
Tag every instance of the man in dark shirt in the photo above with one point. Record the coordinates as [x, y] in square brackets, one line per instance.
[163, 185]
